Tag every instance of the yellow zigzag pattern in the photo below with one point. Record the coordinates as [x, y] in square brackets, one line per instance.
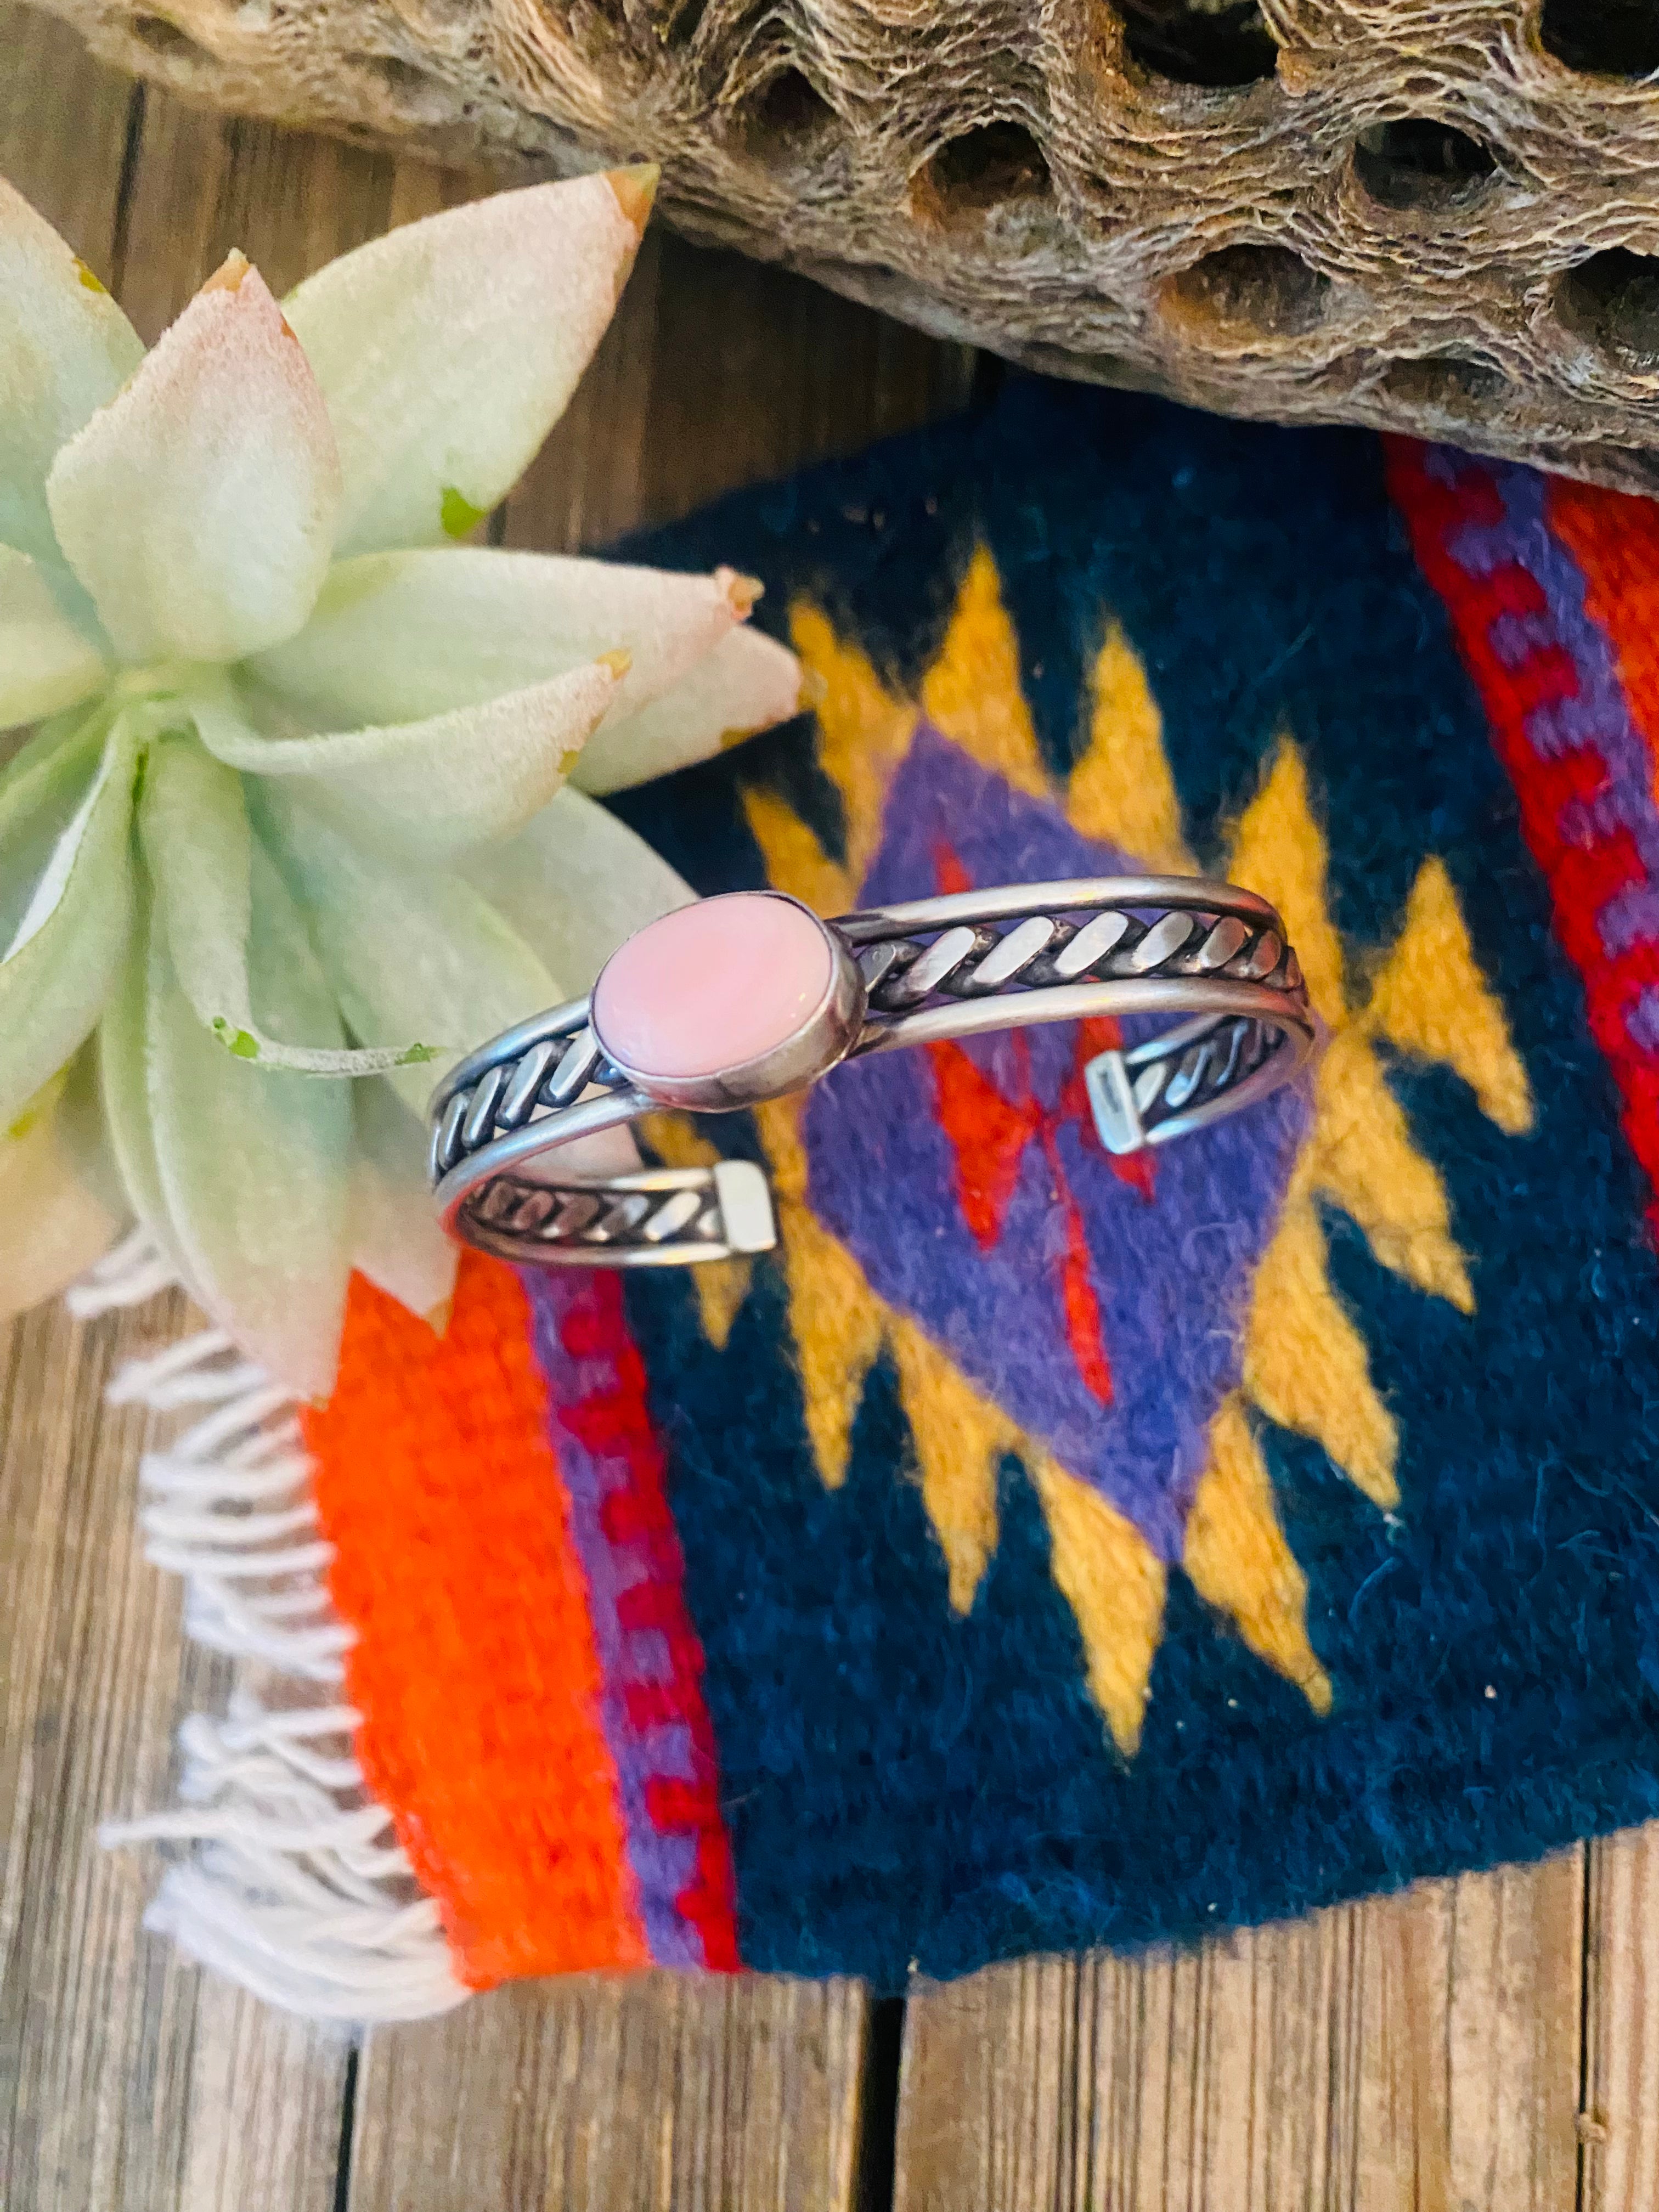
[1306, 1362]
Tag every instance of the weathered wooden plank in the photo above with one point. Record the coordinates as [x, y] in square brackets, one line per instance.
[267, 2118]
[659, 2091]
[1412, 2054]
[204, 183]
[1620, 2123]
[96, 2030]
[716, 372]
[63, 130]
[128, 2082]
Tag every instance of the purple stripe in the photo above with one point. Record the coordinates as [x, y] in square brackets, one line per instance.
[663, 1865]
[1516, 638]
[1643, 1020]
[1630, 917]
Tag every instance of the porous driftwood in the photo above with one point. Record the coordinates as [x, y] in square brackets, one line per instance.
[1439, 216]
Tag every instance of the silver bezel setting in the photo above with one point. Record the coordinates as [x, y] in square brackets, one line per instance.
[826, 1036]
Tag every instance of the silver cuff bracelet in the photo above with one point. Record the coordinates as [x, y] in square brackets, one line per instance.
[731, 1002]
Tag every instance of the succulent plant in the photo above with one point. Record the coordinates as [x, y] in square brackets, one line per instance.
[293, 824]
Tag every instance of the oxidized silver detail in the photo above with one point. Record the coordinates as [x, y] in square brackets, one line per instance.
[914, 973]
[656, 1218]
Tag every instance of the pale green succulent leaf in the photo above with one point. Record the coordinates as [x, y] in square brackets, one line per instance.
[408, 954]
[574, 882]
[395, 637]
[447, 350]
[747, 682]
[61, 1202]
[396, 1240]
[428, 791]
[199, 852]
[67, 945]
[198, 507]
[253, 1164]
[41, 789]
[122, 1056]
[47, 662]
[66, 350]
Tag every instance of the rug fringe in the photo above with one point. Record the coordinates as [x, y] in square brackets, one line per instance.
[294, 1885]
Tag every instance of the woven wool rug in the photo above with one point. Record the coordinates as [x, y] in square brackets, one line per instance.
[1039, 1549]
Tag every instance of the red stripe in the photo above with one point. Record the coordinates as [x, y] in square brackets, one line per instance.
[1584, 865]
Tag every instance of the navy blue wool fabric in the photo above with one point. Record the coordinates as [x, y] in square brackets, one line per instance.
[903, 1787]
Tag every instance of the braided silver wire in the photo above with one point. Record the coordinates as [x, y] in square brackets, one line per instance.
[932, 970]
[659, 1217]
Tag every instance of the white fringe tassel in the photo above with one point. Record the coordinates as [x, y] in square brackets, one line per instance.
[294, 1884]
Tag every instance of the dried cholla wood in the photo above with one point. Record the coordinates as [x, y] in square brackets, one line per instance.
[1440, 215]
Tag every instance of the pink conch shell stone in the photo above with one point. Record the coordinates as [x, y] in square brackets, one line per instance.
[712, 986]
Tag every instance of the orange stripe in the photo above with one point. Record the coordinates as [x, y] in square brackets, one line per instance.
[1614, 539]
[475, 1669]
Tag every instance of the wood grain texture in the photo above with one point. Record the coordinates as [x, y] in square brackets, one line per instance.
[63, 123]
[124, 2080]
[203, 185]
[716, 372]
[594, 2096]
[1413, 2054]
[1620, 2124]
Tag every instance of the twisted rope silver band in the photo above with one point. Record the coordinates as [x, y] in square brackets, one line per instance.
[911, 974]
